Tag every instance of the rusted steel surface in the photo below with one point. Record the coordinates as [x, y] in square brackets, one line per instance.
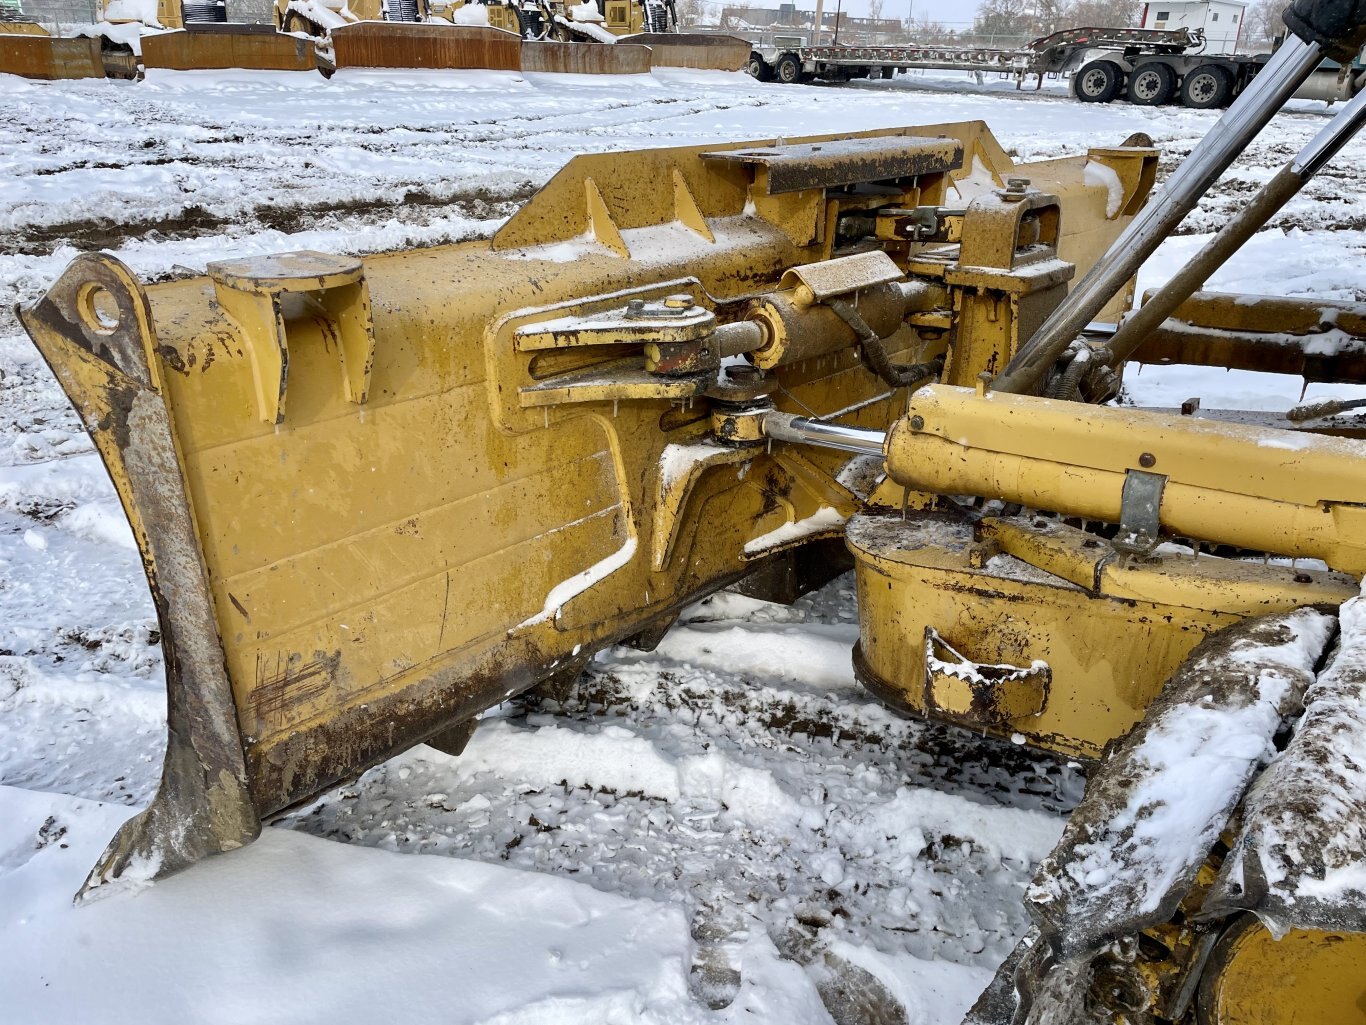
[694, 50]
[44, 57]
[203, 805]
[845, 161]
[1319, 340]
[382, 44]
[226, 46]
[586, 58]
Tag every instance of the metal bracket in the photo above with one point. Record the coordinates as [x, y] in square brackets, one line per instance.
[981, 694]
[251, 293]
[1139, 508]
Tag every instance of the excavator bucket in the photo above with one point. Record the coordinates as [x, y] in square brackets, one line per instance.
[377, 496]
[706, 51]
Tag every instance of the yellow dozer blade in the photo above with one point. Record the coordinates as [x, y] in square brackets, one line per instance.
[706, 51]
[213, 46]
[397, 44]
[28, 51]
[377, 496]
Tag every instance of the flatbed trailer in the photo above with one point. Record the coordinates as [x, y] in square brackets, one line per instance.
[1197, 80]
[791, 59]
[1149, 67]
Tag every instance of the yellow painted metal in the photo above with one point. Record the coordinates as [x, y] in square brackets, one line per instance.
[1258, 488]
[1319, 340]
[399, 489]
[262, 297]
[23, 28]
[169, 13]
[1007, 278]
[965, 690]
[1016, 592]
[1305, 978]
[1091, 212]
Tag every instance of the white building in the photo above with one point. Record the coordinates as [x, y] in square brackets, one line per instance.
[1222, 20]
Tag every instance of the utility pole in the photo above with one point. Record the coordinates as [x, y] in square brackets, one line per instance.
[838, 4]
[817, 40]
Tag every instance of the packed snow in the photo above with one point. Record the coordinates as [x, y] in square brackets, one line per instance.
[726, 829]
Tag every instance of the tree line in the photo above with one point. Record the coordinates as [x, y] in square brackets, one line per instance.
[1029, 19]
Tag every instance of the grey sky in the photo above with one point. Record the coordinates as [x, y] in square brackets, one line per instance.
[956, 14]
[953, 13]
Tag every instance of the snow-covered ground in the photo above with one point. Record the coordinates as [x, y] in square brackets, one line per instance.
[725, 830]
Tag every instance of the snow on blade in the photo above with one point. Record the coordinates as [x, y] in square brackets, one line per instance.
[582, 581]
[1153, 810]
[1300, 861]
[1096, 173]
[822, 519]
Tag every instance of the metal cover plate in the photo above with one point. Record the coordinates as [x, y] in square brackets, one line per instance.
[820, 165]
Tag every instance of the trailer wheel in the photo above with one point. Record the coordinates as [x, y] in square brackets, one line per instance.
[758, 68]
[1152, 85]
[1098, 82]
[789, 69]
[1207, 86]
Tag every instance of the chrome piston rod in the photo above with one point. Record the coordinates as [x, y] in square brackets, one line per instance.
[1253, 109]
[803, 430]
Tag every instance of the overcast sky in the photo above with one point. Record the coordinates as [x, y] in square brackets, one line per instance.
[953, 13]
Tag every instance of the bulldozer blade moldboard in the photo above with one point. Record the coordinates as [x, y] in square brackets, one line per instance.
[360, 620]
[694, 50]
[50, 58]
[384, 44]
[213, 46]
[586, 58]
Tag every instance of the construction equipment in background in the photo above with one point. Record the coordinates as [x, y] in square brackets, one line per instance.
[324, 35]
[1150, 67]
[29, 50]
[677, 369]
[791, 59]
[458, 34]
[1199, 80]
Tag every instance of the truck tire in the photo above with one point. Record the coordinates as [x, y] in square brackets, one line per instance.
[1151, 84]
[758, 68]
[788, 69]
[1098, 82]
[1207, 86]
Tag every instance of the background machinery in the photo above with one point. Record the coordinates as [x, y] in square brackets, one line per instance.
[794, 59]
[1150, 67]
[323, 35]
[679, 368]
